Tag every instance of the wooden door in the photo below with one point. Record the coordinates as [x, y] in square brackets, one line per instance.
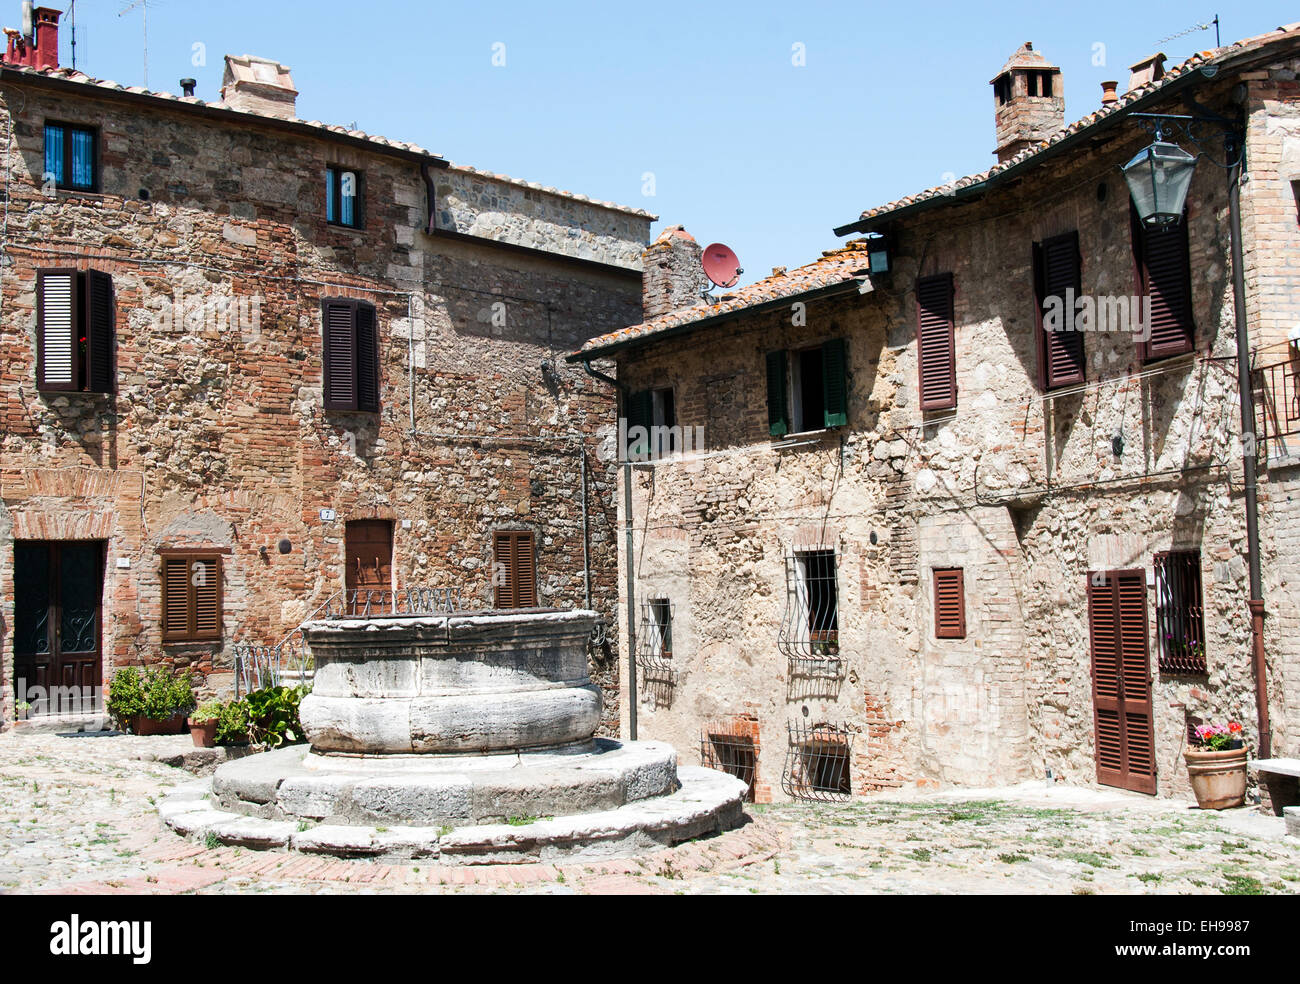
[368, 553]
[1121, 680]
[58, 636]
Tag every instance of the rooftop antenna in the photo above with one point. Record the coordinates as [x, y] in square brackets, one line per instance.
[1198, 27]
[721, 266]
[72, 16]
[144, 8]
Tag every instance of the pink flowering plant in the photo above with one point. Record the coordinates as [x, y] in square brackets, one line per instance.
[1217, 737]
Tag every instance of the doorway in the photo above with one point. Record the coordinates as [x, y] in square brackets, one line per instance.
[368, 560]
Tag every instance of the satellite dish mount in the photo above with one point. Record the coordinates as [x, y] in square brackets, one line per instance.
[721, 266]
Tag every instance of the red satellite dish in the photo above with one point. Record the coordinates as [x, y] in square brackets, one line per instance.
[721, 265]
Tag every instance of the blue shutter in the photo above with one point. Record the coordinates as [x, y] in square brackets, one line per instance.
[54, 137]
[330, 176]
[83, 159]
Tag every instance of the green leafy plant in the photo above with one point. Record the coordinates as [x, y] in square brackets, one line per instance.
[232, 723]
[209, 710]
[155, 694]
[273, 715]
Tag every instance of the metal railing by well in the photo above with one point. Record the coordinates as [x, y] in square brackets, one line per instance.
[289, 661]
[817, 763]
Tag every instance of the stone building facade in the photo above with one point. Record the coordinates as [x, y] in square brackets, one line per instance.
[986, 531]
[234, 240]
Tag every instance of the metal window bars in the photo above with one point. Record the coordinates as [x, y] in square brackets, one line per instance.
[734, 754]
[1278, 389]
[810, 626]
[1180, 618]
[817, 763]
[258, 666]
[654, 651]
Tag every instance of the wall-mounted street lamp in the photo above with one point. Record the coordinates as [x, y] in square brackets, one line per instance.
[878, 255]
[1158, 179]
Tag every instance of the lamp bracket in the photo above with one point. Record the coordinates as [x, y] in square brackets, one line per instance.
[1192, 127]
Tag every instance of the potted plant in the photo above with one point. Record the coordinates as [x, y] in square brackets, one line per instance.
[1216, 766]
[203, 724]
[232, 723]
[152, 703]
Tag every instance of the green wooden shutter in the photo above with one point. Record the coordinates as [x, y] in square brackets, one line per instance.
[778, 420]
[835, 389]
[639, 413]
[101, 373]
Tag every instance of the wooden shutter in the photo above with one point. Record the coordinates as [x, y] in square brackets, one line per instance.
[205, 593]
[339, 354]
[935, 342]
[367, 348]
[176, 597]
[1061, 360]
[58, 349]
[949, 603]
[778, 418]
[191, 598]
[1165, 275]
[639, 412]
[1121, 680]
[101, 343]
[835, 389]
[512, 552]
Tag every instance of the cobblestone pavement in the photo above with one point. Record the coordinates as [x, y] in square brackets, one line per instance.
[78, 817]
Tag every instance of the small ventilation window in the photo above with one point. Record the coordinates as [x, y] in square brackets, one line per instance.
[817, 763]
[949, 603]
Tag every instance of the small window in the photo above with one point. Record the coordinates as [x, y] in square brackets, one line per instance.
[343, 197]
[816, 592]
[817, 764]
[1180, 615]
[949, 603]
[514, 573]
[191, 598]
[807, 389]
[660, 626]
[76, 344]
[70, 156]
[652, 424]
[350, 363]
[936, 342]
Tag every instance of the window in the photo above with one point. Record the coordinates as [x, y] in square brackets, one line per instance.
[75, 336]
[807, 389]
[343, 197]
[1061, 360]
[1180, 615]
[351, 355]
[810, 625]
[1165, 276]
[949, 603]
[660, 625]
[655, 412]
[514, 569]
[191, 598]
[70, 156]
[936, 342]
[817, 762]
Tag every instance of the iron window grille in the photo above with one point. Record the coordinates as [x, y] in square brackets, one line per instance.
[1180, 616]
[817, 763]
[810, 629]
[723, 749]
[654, 650]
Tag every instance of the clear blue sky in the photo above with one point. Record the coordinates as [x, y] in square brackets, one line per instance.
[745, 146]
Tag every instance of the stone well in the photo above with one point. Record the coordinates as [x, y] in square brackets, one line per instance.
[467, 736]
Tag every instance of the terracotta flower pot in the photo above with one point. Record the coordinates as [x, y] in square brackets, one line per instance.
[173, 725]
[204, 734]
[1218, 778]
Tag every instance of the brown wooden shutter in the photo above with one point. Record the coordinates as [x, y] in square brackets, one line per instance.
[205, 590]
[101, 343]
[513, 556]
[339, 354]
[58, 322]
[1121, 680]
[1056, 271]
[1165, 275]
[502, 570]
[525, 571]
[949, 603]
[367, 344]
[176, 597]
[935, 342]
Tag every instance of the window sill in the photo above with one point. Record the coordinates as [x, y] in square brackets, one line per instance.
[820, 433]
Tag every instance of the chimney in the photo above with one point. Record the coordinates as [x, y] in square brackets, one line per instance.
[41, 50]
[258, 85]
[1029, 101]
[672, 275]
[1149, 69]
[1108, 93]
[187, 88]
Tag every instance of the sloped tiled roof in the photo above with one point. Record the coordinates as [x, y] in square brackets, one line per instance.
[834, 267]
[326, 130]
[1288, 35]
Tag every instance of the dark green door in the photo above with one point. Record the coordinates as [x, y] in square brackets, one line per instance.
[58, 656]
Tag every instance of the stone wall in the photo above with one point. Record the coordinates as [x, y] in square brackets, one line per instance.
[217, 433]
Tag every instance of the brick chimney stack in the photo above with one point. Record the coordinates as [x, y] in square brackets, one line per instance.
[259, 85]
[671, 273]
[42, 49]
[1029, 101]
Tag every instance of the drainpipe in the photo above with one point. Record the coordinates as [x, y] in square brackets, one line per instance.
[629, 566]
[1248, 460]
